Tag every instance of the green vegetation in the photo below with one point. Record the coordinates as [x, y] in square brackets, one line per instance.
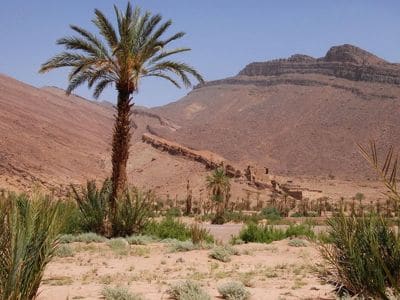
[107, 59]
[233, 291]
[119, 293]
[223, 253]
[87, 238]
[271, 213]
[219, 186]
[187, 290]
[64, 251]
[141, 239]
[29, 228]
[364, 257]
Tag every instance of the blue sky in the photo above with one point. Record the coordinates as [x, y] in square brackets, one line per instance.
[225, 35]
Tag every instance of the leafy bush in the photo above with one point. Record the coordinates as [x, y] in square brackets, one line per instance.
[364, 257]
[301, 230]
[261, 234]
[29, 229]
[233, 291]
[93, 205]
[119, 293]
[187, 290]
[223, 253]
[271, 213]
[168, 228]
[133, 212]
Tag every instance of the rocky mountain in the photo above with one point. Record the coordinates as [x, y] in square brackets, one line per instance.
[296, 116]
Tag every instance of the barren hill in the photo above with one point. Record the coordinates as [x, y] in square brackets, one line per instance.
[296, 116]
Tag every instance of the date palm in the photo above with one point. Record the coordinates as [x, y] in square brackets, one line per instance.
[219, 186]
[121, 57]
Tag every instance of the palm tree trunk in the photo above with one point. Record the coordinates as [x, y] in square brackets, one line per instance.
[120, 148]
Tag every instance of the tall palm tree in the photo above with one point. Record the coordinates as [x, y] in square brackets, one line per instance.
[219, 186]
[121, 57]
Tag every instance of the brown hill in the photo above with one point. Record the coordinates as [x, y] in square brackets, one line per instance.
[297, 116]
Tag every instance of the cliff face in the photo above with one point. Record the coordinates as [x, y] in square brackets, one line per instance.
[297, 116]
[344, 61]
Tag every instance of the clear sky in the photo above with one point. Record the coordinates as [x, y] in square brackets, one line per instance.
[225, 35]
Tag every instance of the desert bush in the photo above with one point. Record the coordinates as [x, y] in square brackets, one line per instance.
[223, 253]
[182, 246]
[133, 212]
[73, 216]
[187, 290]
[119, 293]
[173, 212]
[29, 228]
[271, 213]
[64, 251]
[88, 237]
[141, 239]
[300, 230]
[297, 243]
[119, 246]
[364, 256]
[93, 205]
[168, 228]
[233, 291]
[200, 235]
[261, 234]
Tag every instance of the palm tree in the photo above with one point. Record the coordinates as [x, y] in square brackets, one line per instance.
[121, 58]
[219, 186]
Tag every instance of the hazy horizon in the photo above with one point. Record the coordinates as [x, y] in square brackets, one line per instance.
[224, 36]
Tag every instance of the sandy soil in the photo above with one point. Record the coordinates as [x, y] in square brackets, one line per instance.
[274, 271]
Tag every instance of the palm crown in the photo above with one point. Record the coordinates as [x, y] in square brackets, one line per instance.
[123, 56]
[218, 183]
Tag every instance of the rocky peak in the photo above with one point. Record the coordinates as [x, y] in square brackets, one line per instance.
[351, 54]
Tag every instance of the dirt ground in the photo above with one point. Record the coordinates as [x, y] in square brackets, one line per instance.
[270, 271]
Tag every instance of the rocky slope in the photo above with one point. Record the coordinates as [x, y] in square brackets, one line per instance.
[296, 116]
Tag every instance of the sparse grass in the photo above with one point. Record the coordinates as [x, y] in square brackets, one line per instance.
[297, 243]
[64, 251]
[223, 253]
[58, 280]
[119, 246]
[199, 234]
[140, 251]
[119, 293]
[141, 239]
[188, 290]
[88, 237]
[233, 291]
[184, 246]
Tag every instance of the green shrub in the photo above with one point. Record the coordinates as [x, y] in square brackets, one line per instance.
[73, 215]
[29, 228]
[133, 212]
[301, 230]
[271, 213]
[168, 228]
[200, 235]
[261, 234]
[233, 291]
[93, 205]
[187, 290]
[173, 212]
[364, 257]
[223, 253]
[119, 246]
[119, 293]
[182, 246]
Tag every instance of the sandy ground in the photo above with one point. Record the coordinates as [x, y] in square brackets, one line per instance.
[273, 271]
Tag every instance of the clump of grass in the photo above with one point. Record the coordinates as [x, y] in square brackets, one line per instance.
[88, 237]
[119, 293]
[223, 253]
[179, 246]
[187, 290]
[233, 291]
[301, 230]
[141, 239]
[271, 213]
[199, 234]
[65, 251]
[261, 234]
[235, 240]
[118, 246]
[297, 243]
[364, 257]
[168, 228]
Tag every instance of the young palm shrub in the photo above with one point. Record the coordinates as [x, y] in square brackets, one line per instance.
[29, 238]
[133, 212]
[93, 205]
[219, 186]
[363, 256]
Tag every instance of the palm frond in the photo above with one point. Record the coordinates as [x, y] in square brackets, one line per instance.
[106, 29]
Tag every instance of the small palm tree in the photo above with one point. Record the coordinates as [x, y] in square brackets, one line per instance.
[219, 186]
[121, 58]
